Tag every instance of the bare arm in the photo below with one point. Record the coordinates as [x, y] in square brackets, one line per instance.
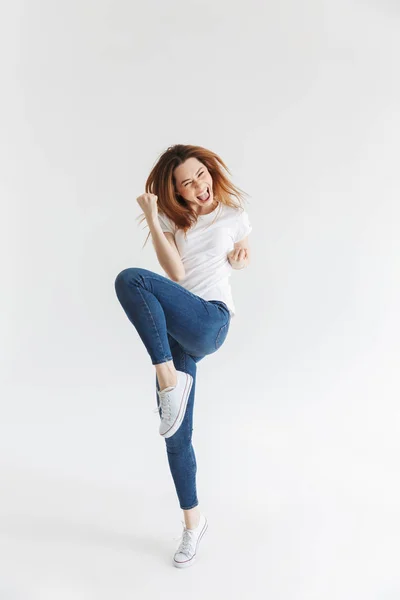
[164, 243]
[166, 250]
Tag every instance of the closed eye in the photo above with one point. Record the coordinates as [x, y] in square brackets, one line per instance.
[186, 184]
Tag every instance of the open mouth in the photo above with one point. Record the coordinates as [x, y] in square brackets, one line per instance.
[205, 196]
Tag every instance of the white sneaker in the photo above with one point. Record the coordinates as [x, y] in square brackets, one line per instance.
[187, 551]
[173, 402]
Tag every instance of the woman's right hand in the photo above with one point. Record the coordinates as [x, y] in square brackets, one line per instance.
[148, 203]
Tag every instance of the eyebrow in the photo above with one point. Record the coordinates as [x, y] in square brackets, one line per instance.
[182, 182]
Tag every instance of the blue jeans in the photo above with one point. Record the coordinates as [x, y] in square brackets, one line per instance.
[174, 324]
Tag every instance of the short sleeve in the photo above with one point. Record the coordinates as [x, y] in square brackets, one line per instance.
[166, 223]
[243, 226]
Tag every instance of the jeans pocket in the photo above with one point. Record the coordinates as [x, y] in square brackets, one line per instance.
[222, 333]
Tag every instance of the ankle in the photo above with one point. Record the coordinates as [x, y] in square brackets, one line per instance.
[166, 375]
[167, 382]
[192, 518]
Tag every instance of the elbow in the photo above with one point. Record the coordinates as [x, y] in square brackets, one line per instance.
[178, 277]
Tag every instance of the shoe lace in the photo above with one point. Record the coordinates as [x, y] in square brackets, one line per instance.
[165, 405]
[186, 545]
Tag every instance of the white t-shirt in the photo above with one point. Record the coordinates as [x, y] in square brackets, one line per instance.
[205, 249]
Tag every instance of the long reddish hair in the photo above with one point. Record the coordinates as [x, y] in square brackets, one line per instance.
[161, 182]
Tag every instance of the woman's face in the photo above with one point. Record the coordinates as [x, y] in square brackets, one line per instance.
[193, 179]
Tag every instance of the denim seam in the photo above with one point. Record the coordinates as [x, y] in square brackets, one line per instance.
[219, 334]
[187, 292]
[155, 327]
[189, 507]
[183, 356]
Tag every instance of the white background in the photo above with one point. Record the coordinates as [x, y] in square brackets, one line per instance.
[296, 427]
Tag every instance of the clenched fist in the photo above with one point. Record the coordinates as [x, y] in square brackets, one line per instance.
[237, 258]
[148, 203]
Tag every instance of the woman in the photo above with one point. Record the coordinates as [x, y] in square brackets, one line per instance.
[199, 234]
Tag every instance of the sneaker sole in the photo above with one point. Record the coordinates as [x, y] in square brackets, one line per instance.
[190, 561]
[182, 409]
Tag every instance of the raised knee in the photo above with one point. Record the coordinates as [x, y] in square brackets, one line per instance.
[129, 274]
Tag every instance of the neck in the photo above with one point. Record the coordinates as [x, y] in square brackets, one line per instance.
[214, 205]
